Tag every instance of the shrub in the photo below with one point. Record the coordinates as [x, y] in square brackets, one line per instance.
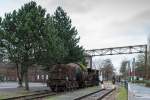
[147, 83]
[139, 81]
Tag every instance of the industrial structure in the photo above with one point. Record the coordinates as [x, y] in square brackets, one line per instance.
[123, 50]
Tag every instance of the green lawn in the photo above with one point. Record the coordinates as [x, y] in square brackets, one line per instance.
[122, 94]
[1, 97]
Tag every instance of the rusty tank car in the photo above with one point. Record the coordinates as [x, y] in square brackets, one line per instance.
[69, 76]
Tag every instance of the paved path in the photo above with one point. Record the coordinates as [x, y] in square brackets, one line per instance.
[138, 92]
[14, 85]
[5, 85]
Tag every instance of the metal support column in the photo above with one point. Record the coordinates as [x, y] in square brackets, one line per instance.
[146, 67]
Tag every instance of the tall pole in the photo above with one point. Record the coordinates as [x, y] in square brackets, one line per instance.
[129, 70]
[147, 57]
[91, 61]
[133, 66]
[146, 67]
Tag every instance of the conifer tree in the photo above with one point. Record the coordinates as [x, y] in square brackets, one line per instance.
[69, 35]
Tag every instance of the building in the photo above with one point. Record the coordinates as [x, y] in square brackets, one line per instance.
[8, 72]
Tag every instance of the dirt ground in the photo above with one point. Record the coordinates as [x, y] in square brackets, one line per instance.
[113, 95]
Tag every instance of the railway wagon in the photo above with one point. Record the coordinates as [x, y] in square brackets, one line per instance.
[66, 76]
[70, 76]
[92, 77]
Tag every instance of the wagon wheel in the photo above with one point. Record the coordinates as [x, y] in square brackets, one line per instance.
[75, 85]
[53, 88]
[68, 85]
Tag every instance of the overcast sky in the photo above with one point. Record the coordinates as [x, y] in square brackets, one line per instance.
[100, 23]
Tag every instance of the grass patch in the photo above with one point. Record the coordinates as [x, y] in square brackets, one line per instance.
[138, 81]
[122, 94]
[145, 82]
[1, 97]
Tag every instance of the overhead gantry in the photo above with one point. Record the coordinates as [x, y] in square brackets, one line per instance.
[118, 51]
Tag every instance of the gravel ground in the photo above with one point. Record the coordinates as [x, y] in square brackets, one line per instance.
[74, 94]
[79, 93]
[9, 89]
[113, 95]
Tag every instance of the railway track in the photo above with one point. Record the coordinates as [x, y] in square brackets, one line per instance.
[39, 95]
[34, 96]
[98, 95]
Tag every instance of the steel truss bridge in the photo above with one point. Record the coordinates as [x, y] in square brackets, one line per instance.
[117, 50]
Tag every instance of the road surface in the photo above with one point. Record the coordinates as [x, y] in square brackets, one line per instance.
[138, 92]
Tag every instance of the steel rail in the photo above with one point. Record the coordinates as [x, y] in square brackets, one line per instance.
[103, 92]
[79, 98]
[32, 96]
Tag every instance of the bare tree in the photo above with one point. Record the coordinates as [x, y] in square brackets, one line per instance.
[107, 69]
[140, 65]
[97, 64]
[123, 69]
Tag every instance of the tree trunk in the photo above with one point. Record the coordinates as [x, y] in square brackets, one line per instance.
[26, 80]
[19, 75]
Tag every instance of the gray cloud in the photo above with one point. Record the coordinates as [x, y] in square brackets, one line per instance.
[138, 24]
[100, 23]
[73, 6]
